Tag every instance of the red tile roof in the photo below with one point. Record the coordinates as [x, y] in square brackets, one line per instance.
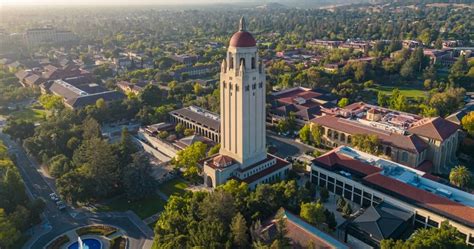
[410, 143]
[436, 128]
[333, 160]
[441, 205]
[280, 163]
[222, 161]
[355, 106]
[214, 160]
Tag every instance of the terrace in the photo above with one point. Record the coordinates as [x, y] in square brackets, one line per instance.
[380, 118]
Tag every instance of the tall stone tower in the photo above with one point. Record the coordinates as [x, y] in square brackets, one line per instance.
[243, 154]
[242, 100]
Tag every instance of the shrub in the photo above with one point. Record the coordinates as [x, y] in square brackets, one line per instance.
[118, 243]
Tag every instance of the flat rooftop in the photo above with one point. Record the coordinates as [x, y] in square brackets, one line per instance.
[200, 116]
[383, 119]
[407, 184]
[409, 176]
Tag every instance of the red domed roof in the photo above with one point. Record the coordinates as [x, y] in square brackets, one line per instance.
[242, 39]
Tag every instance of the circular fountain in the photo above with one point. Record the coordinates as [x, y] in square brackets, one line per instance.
[86, 244]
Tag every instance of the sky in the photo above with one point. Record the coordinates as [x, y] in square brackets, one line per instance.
[111, 2]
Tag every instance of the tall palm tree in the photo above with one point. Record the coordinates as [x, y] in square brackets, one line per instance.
[460, 176]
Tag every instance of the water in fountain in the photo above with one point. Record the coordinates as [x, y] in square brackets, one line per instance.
[80, 243]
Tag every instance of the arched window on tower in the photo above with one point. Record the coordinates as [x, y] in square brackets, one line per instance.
[242, 61]
[253, 63]
[231, 61]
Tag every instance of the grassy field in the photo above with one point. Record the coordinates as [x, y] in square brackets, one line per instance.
[174, 186]
[143, 208]
[149, 206]
[409, 92]
[29, 114]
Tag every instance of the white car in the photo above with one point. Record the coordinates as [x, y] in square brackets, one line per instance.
[54, 197]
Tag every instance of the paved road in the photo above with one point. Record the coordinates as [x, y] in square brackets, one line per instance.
[287, 146]
[56, 222]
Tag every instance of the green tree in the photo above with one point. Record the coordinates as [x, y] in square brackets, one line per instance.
[238, 228]
[468, 123]
[12, 189]
[323, 194]
[458, 71]
[19, 129]
[90, 128]
[51, 102]
[366, 143]
[98, 162]
[397, 101]
[313, 213]
[343, 102]
[281, 241]
[316, 134]
[330, 220]
[305, 133]
[59, 165]
[100, 104]
[340, 203]
[163, 134]
[138, 178]
[190, 156]
[197, 88]
[448, 101]
[460, 176]
[347, 209]
[151, 95]
[9, 234]
[446, 236]
[74, 187]
[188, 132]
[179, 128]
[382, 99]
[214, 150]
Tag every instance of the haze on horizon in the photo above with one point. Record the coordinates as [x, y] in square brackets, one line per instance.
[150, 2]
[117, 2]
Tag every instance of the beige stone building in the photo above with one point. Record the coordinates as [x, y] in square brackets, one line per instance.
[243, 153]
[428, 144]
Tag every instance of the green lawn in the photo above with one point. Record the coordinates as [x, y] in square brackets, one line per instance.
[143, 208]
[409, 92]
[29, 114]
[174, 186]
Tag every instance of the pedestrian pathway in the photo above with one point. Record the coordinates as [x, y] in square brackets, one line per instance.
[152, 219]
[72, 235]
[162, 195]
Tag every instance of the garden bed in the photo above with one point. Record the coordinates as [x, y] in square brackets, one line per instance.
[57, 243]
[96, 229]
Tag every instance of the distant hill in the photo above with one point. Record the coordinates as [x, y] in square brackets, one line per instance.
[279, 4]
[272, 6]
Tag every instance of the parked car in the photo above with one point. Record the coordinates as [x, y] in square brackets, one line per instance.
[54, 197]
[61, 206]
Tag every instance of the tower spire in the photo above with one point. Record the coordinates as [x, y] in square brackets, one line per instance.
[242, 24]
